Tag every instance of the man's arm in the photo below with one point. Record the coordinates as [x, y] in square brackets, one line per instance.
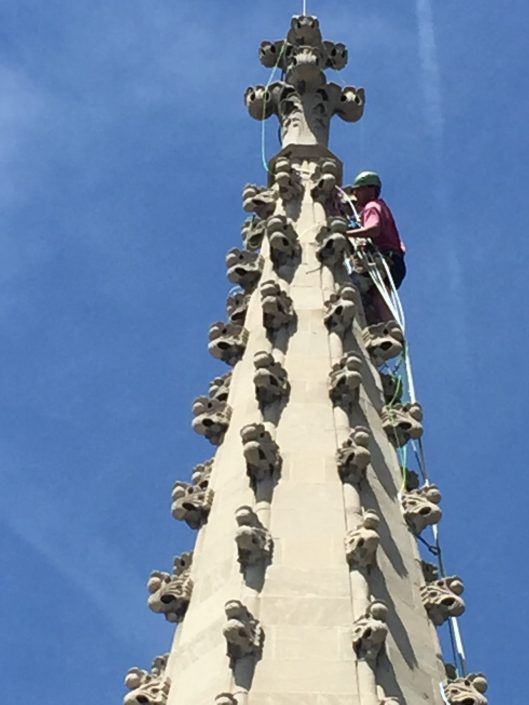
[371, 223]
[370, 231]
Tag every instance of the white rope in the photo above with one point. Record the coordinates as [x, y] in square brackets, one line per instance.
[373, 269]
[409, 376]
[402, 321]
[459, 643]
[304, 7]
[393, 302]
[378, 281]
[263, 121]
[353, 207]
[443, 694]
[400, 318]
[237, 289]
[394, 293]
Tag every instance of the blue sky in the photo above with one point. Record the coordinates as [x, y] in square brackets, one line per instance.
[124, 145]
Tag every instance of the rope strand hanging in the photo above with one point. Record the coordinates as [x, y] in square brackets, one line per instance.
[263, 121]
[377, 267]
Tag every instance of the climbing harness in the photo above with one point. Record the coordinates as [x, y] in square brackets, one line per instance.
[368, 259]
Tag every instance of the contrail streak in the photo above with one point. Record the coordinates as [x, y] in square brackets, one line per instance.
[435, 129]
[431, 74]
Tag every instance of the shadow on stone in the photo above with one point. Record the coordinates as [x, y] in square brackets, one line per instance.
[395, 625]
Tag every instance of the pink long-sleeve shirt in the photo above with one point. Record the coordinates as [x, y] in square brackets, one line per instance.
[377, 213]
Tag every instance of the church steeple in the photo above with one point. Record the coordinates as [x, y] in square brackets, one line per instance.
[306, 584]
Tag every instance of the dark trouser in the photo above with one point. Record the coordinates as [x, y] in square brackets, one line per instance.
[396, 265]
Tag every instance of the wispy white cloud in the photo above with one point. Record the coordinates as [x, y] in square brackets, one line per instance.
[431, 72]
[85, 559]
[445, 225]
[20, 110]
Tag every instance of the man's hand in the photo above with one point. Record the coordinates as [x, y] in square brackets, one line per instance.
[362, 242]
[370, 233]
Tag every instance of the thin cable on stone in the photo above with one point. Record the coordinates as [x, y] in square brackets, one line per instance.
[456, 638]
[460, 647]
[443, 694]
[263, 121]
[454, 647]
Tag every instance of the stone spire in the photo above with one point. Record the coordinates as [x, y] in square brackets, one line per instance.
[305, 584]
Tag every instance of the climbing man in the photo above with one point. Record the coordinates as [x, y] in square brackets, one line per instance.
[378, 225]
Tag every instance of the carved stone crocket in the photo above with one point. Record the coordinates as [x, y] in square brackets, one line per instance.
[170, 593]
[354, 456]
[361, 544]
[261, 452]
[243, 633]
[148, 687]
[254, 542]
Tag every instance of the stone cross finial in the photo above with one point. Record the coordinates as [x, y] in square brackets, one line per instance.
[304, 102]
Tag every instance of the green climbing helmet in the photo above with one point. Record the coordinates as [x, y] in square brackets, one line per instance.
[367, 178]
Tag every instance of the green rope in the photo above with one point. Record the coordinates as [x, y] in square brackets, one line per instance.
[403, 458]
